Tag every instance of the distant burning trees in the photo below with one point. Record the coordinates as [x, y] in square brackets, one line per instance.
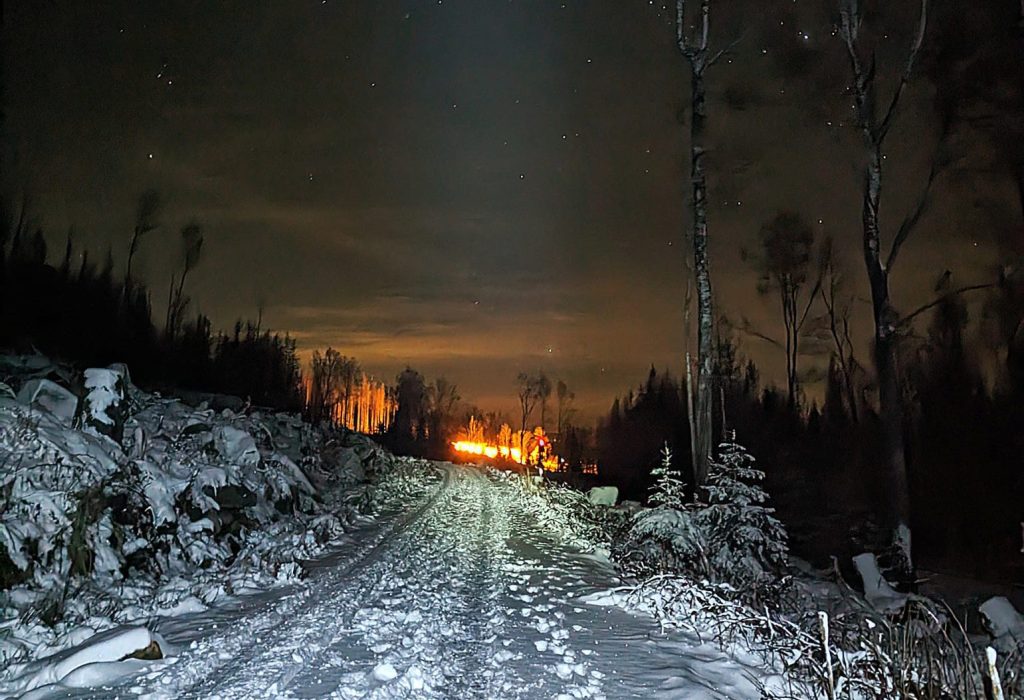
[338, 391]
[522, 447]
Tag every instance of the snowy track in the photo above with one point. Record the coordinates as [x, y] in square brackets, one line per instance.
[461, 596]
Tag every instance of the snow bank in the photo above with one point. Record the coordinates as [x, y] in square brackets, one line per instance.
[127, 505]
[50, 397]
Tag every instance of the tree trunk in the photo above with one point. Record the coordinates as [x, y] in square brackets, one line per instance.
[1020, 185]
[890, 409]
[696, 53]
[689, 412]
[705, 313]
[874, 127]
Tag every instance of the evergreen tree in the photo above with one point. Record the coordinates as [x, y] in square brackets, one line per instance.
[668, 491]
[746, 541]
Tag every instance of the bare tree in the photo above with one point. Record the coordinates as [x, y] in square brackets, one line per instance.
[838, 303]
[146, 220]
[442, 396]
[349, 375]
[695, 51]
[529, 393]
[324, 384]
[177, 302]
[875, 126]
[544, 389]
[787, 242]
[565, 409]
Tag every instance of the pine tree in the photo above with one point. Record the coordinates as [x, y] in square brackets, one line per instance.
[729, 536]
[668, 491]
[746, 541]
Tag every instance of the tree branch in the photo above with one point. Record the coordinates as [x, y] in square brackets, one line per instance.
[680, 31]
[727, 50]
[932, 304]
[915, 49]
[697, 55]
[810, 300]
[750, 330]
[705, 13]
[908, 224]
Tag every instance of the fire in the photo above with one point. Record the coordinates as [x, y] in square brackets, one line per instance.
[490, 451]
[537, 443]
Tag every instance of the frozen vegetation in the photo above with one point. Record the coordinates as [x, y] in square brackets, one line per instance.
[150, 548]
[117, 506]
[718, 567]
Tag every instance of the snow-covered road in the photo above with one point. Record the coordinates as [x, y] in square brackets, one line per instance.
[460, 595]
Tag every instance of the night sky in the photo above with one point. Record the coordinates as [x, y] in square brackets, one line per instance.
[472, 187]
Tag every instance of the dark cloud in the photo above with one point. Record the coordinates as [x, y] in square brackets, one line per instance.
[470, 187]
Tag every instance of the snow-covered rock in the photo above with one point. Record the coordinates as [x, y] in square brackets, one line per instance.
[348, 459]
[236, 446]
[193, 506]
[603, 495]
[385, 672]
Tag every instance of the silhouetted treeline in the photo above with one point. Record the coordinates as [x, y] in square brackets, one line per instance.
[259, 366]
[425, 418]
[630, 438]
[964, 436]
[83, 313]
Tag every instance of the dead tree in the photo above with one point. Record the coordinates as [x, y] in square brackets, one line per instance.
[787, 242]
[529, 393]
[146, 220]
[565, 409]
[695, 51]
[177, 300]
[837, 323]
[875, 126]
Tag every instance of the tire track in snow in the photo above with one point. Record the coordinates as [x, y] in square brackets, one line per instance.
[246, 662]
[454, 600]
[436, 621]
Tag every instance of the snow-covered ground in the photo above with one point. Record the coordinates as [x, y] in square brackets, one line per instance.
[151, 549]
[456, 593]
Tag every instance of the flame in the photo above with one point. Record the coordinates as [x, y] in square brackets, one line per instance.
[532, 445]
[483, 449]
[490, 451]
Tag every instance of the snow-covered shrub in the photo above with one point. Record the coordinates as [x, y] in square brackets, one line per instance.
[727, 536]
[574, 513]
[408, 479]
[563, 511]
[854, 653]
